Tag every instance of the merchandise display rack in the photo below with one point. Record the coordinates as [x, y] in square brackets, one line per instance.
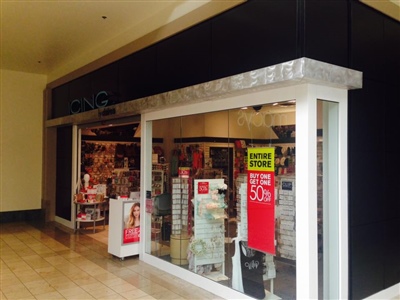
[92, 209]
[208, 242]
[181, 205]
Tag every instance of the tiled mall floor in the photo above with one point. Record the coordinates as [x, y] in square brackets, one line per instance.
[46, 262]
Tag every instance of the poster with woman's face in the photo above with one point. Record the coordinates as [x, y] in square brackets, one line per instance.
[131, 219]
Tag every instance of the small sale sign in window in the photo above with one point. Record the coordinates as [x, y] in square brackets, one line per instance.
[261, 199]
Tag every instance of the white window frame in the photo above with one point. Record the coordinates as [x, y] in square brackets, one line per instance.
[306, 96]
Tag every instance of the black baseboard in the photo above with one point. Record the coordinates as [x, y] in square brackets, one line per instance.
[22, 216]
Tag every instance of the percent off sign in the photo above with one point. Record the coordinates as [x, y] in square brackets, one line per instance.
[260, 187]
[261, 199]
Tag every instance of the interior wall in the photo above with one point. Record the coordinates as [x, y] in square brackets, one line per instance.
[21, 127]
[214, 124]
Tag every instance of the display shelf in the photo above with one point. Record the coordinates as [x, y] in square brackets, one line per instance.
[92, 209]
[181, 206]
[286, 217]
[125, 181]
[166, 175]
[157, 182]
[208, 242]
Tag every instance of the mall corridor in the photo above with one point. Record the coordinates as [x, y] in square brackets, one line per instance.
[47, 262]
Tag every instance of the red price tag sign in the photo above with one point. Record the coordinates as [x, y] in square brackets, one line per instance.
[261, 187]
[261, 199]
[203, 187]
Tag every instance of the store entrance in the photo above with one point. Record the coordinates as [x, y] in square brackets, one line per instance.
[108, 167]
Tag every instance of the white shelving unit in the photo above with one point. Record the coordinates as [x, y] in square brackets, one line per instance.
[208, 240]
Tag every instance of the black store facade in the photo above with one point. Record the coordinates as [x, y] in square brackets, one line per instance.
[305, 78]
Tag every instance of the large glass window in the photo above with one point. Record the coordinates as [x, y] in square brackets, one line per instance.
[201, 218]
[328, 199]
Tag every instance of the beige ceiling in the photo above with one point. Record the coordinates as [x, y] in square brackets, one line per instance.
[56, 37]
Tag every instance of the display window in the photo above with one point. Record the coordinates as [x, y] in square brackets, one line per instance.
[245, 201]
[229, 178]
[221, 200]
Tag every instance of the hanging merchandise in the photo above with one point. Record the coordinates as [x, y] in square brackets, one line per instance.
[197, 158]
[251, 262]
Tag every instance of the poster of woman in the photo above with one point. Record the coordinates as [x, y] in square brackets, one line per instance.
[132, 223]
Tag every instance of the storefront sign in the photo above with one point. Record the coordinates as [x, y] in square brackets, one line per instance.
[261, 199]
[101, 99]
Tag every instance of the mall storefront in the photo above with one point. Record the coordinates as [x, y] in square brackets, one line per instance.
[255, 168]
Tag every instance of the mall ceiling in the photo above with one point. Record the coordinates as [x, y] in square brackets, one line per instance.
[57, 37]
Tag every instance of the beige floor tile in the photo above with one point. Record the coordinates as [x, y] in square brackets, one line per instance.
[112, 297]
[47, 271]
[137, 280]
[39, 287]
[123, 287]
[148, 297]
[72, 271]
[25, 252]
[110, 281]
[167, 295]
[10, 257]
[18, 266]
[68, 254]
[57, 278]
[36, 262]
[103, 292]
[50, 296]
[61, 285]
[72, 291]
[153, 288]
[10, 282]
[84, 281]
[7, 274]
[121, 272]
[56, 260]
[62, 265]
[25, 278]
[134, 294]
[93, 286]
[16, 291]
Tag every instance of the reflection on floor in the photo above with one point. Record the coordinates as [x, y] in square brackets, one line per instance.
[284, 285]
[45, 262]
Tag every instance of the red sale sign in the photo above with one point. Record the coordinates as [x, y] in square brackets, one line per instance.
[131, 235]
[261, 199]
[203, 187]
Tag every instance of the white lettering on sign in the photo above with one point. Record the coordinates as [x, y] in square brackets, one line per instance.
[260, 119]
